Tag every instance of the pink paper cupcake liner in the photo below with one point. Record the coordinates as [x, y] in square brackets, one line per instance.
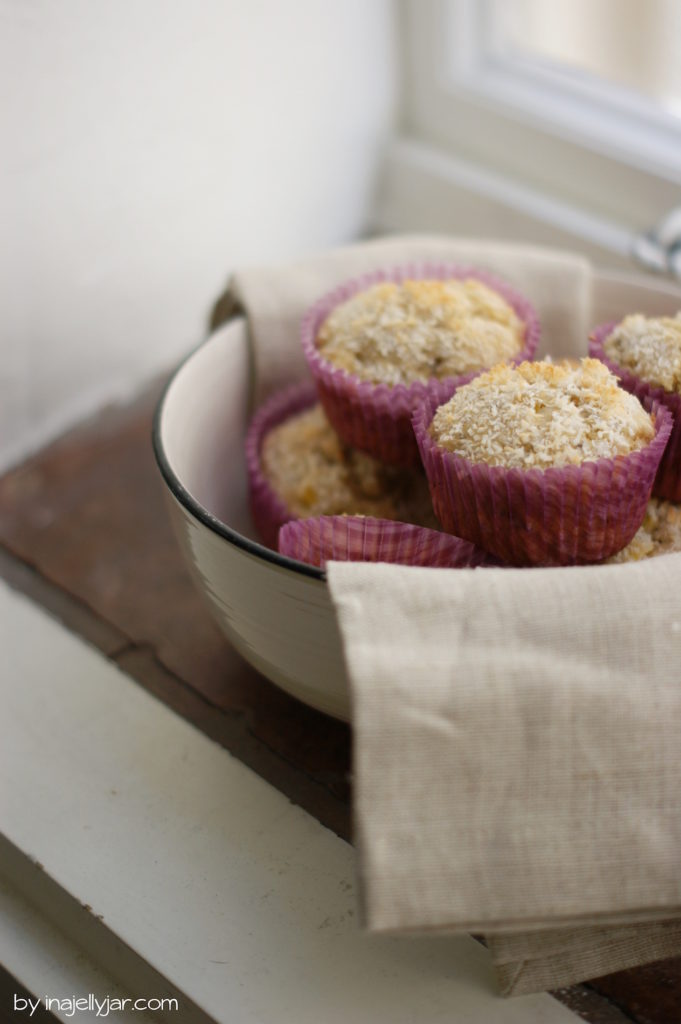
[375, 417]
[324, 539]
[569, 515]
[668, 480]
[268, 510]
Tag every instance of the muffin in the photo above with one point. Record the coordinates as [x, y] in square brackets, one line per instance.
[542, 464]
[299, 467]
[365, 539]
[659, 534]
[380, 344]
[645, 353]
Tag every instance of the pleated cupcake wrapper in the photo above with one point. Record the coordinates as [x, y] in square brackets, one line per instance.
[668, 480]
[324, 539]
[268, 510]
[571, 515]
[377, 418]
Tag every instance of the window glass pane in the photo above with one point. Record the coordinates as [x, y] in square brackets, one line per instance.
[630, 43]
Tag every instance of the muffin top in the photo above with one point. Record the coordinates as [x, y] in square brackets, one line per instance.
[650, 347]
[315, 474]
[542, 414]
[659, 533]
[418, 330]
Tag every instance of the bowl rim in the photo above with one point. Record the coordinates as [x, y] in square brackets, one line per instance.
[194, 507]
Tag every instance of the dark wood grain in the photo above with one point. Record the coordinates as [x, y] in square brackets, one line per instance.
[87, 515]
[650, 994]
[591, 1006]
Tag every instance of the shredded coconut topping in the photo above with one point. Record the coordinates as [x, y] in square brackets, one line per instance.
[315, 474]
[649, 347]
[541, 414]
[659, 534]
[414, 331]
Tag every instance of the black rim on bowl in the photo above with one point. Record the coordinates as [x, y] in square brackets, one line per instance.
[188, 502]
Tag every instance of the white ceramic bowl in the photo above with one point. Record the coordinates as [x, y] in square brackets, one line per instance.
[277, 612]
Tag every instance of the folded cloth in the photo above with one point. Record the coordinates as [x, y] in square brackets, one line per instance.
[517, 759]
[552, 958]
[515, 731]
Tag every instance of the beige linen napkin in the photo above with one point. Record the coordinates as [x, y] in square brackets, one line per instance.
[516, 731]
[517, 759]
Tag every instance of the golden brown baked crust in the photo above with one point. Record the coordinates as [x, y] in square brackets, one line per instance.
[315, 474]
[649, 347]
[659, 534]
[542, 414]
[419, 330]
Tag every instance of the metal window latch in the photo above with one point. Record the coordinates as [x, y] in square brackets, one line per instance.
[659, 249]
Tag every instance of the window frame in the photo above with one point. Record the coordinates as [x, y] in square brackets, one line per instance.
[455, 108]
[611, 120]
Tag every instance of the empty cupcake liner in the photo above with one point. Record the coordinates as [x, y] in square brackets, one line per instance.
[569, 515]
[375, 417]
[668, 480]
[268, 510]
[324, 539]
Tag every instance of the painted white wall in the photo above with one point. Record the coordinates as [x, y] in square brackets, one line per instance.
[150, 147]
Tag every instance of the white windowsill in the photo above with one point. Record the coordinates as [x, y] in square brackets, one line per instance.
[148, 855]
